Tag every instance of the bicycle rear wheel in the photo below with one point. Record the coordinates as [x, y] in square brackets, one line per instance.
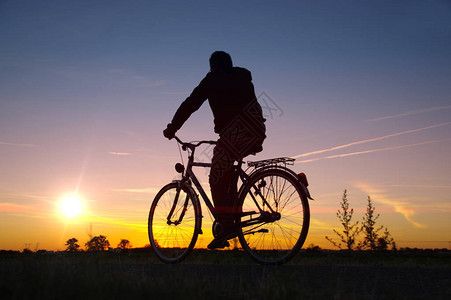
[273, 238]
[174, 222]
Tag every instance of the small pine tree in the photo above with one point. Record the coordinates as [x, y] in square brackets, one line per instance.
[368, 229]
[372, 240]
[350, 230]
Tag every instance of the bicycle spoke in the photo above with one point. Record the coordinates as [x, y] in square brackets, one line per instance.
[173, 239]
[276, 240]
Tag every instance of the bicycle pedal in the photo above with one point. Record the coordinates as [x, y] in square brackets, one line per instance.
[248, 213]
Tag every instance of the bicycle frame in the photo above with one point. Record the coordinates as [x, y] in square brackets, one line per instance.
[188, 175]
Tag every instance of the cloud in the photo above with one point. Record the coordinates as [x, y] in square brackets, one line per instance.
[407, 213]
[17, 145]
[12, 207]
[154, 83]
[372, 140]
[319, 225]
[142, 81]
[365, 152]
[142, 190]
[403, 208]
[120, 153]
[412, 112]
[175, 93]
[118, 222]
[422, 186]
[147, 83]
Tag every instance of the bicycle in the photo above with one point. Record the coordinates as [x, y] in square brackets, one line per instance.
[275, 212]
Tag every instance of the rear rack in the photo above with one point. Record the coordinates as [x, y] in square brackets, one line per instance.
[270, 162]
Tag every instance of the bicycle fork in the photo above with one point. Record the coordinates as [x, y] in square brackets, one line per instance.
[174, 205]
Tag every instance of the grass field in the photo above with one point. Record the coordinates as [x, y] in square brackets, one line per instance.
[137, 274]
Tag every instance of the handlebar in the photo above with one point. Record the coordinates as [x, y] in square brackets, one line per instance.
[192, 146]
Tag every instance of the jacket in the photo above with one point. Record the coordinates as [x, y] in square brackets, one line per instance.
[231, 97]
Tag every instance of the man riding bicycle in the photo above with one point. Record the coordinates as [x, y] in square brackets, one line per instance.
[239, 121]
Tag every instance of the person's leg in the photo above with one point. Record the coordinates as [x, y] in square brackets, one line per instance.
[223, 191]
[223, 177]
[223, 183]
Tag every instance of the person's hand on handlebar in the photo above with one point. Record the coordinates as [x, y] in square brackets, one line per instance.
[169, 132]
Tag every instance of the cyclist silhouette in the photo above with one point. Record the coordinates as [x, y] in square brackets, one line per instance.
[239, 121]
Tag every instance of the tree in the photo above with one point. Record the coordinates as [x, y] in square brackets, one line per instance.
[350, 230]
[27, 251]
[97, 243]
[124, 244]
[313, 248]
[72, 245]
[372, 240]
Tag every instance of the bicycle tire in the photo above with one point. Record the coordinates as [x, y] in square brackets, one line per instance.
[172, 242]
[272, 243]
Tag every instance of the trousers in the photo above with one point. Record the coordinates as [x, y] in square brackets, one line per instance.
[224, 178]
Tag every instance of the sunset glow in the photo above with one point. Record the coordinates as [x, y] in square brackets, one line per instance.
[71, 206]
[357, 91]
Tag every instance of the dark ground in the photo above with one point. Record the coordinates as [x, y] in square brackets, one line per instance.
[226, 274]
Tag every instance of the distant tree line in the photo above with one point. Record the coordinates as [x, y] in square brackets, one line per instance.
[363, 236]
[96, 243]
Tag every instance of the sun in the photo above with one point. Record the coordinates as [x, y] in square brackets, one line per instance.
[71, 206]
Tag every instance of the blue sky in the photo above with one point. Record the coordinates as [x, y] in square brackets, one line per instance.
[365, 83]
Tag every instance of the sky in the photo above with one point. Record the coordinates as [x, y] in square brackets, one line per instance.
[357, 91]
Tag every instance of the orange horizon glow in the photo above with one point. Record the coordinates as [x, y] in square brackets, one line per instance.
[357, 91]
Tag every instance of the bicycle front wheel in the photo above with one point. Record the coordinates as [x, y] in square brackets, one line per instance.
[276, 216]
[174, 222]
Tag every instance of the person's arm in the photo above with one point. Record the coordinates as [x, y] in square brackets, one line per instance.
[189, 106]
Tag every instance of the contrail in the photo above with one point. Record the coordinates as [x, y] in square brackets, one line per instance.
[372, 140]
[365, 152]
[412, 112]
[120, 153]
[17, 145]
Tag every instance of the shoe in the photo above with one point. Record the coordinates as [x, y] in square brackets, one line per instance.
[223, 232]
[218, 243]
